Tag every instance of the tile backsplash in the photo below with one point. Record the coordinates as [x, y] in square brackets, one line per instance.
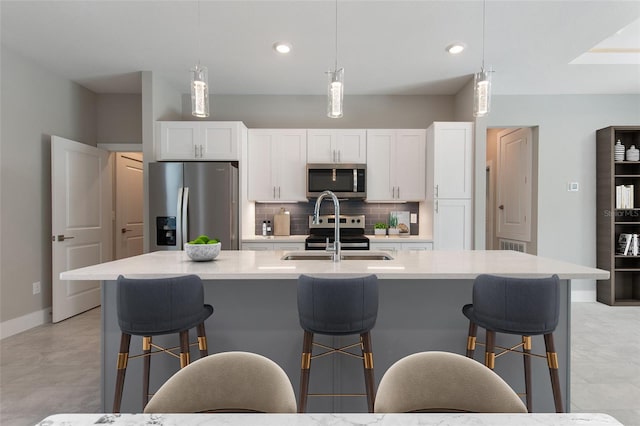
[300, 212]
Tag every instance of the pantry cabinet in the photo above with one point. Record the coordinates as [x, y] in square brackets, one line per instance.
[277, 165]
[396, 165]
[336, 146]
[450, 184]
[198, 140]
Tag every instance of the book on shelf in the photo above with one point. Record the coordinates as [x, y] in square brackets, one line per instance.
[624, 197]
[628, 244]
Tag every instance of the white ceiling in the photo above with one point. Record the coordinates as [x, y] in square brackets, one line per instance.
[386, 47]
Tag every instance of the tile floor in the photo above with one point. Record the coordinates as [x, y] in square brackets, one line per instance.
[56, 368]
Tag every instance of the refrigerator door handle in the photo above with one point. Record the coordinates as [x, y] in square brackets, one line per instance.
[185, 215]
[179, 219]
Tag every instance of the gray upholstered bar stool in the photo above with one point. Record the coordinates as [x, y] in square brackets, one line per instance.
[521, 306]
[153, 307]
[337, 307]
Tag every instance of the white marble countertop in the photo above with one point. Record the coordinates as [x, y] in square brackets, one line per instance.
[405, 265]
[301, 238]
[350, 419]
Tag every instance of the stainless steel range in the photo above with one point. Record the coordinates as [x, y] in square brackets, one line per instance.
[351, 233]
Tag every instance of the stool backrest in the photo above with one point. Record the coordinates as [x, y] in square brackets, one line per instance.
[226, 382]
[529, 305]
[337, 306]
[158, 306]
[444, 382]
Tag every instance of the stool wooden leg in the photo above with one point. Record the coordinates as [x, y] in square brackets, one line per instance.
[367, 358]
[305, 369]
[552, 361]
[123, 357]
[185, 358]
[146, 351]
[202, 341]
[526, 352]
[471, 339]
[489, 353]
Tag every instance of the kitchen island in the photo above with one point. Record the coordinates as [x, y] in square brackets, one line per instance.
[254, 296]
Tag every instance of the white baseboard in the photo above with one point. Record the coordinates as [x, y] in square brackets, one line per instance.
[24, 323]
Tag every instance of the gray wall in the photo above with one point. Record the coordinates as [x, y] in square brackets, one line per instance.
[35, 105]
[566, 153]
[361, 112]
[119, 118]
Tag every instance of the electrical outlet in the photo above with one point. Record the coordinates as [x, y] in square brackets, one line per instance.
[414, 218]
[36, 287]
[573, 187]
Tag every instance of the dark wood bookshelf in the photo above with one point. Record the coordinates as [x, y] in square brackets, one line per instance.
[623, 286]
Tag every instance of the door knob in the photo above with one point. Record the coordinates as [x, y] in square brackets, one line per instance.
[62, 238]
[125, 230]
[501, 206]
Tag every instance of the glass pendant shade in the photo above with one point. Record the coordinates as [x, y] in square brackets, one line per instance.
[200, 91]
[481, 93]
[335, 93]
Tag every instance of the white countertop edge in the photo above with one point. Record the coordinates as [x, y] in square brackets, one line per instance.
[251, 265]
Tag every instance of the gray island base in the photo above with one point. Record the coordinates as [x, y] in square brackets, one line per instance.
[254, 296]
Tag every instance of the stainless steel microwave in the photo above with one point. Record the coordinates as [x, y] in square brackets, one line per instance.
[345, 180]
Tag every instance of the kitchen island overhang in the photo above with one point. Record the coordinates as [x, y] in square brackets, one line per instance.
[255, 300]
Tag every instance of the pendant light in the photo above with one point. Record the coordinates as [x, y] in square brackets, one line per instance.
[199, 84]
[335, 88]
[482, 80]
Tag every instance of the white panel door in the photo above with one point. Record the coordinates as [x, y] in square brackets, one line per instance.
[409, 165]
[129, 208]
[452, 223]
[380, 144]
[453, 162]
[81, 222]
[351, 146]
[514, 184]
[290, 166]
[321, 146]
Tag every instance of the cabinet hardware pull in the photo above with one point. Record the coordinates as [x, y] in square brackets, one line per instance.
[398, 192]
[274, 192]
[437, 190]
[279, 193]
[338, 156]
[436, 206]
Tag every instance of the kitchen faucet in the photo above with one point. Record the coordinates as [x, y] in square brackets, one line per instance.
[336, 228]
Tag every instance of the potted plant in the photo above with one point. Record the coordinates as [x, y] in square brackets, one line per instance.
[380, 228]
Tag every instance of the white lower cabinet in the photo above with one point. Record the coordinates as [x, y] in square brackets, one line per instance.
[272, 245]
[452, 224]
[396, 246]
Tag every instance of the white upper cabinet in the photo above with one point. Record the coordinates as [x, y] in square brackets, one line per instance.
[450, 159]
[277, 165]
[336, 146]
[396, 165]
[198, 140]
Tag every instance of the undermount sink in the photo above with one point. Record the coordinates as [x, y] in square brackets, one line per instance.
[345, 255]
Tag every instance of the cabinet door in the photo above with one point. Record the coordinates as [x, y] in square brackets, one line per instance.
[177, 141]
[219, 140]
[261, 186]
[409, 165]
[417, 246]
[452, 223]
[380, 144]
[373, 245]
[288, 246]
[259, 246]
[321, 146]
[289, 165]
[351, 146]
[452, 159]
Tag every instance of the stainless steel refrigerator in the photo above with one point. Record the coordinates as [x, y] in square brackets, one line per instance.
[190, 199]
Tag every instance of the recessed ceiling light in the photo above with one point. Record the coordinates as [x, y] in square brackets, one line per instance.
[455, 48]
[282, 47]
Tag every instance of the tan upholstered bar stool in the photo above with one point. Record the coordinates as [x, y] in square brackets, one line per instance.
[337, 307]
[522, 306]
[152, 307]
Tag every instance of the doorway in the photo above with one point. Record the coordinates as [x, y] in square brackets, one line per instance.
[129, 205]
[512, 189]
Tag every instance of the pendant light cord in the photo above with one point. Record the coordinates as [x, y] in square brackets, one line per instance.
[198, 37]
[484, 6]
[336, 64]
